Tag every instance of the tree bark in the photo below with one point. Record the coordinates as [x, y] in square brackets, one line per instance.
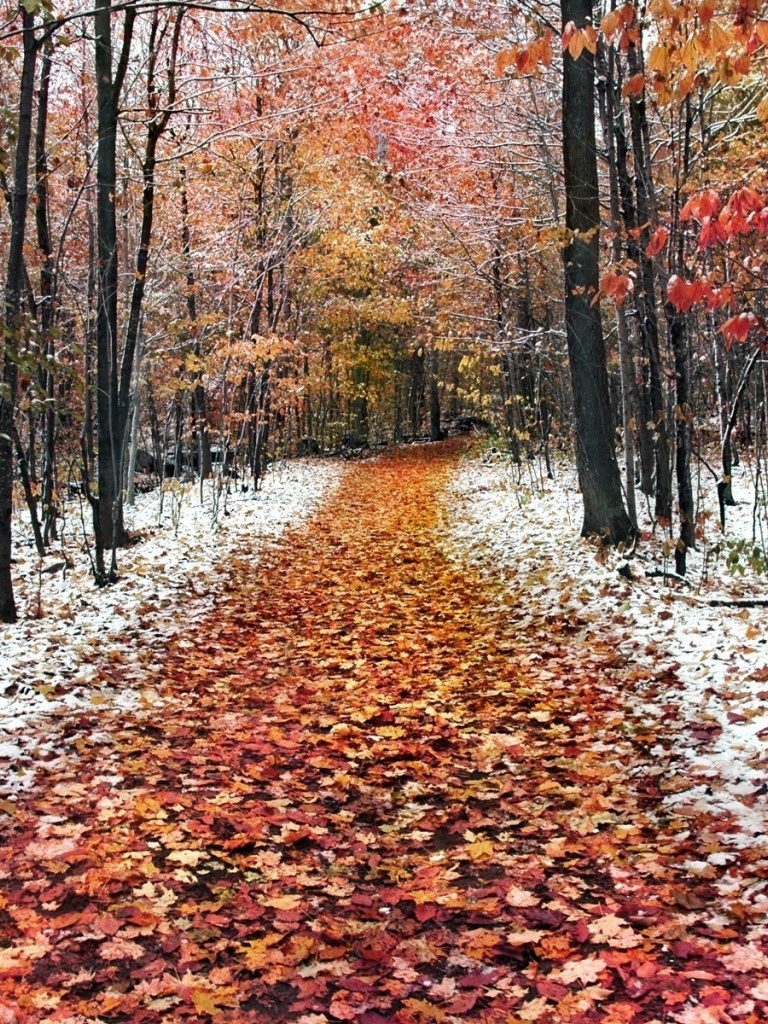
[46, 306]
[14, 283]
[199, 398]
[599, 478]
[646, 292]
[107, 528]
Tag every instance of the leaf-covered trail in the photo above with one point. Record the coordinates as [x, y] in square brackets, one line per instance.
[367, 796]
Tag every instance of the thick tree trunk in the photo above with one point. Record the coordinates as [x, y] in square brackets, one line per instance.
[14, 283]
[604, 511]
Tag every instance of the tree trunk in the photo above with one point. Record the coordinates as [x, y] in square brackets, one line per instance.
[604, 512]
[607, 102]
[199, 399]
[46, 307]
[14, 282]
[640, 402]
[106, 521]
[157, 124]
[679, 343]
[646, 292]
[683, 438]
[416, 395]
[435, 431]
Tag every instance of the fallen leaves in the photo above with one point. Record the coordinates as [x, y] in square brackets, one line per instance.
[375, 798]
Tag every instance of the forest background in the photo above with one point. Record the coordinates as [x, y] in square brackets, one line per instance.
[235, 232]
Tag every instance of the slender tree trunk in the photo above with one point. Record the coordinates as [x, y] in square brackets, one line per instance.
[415, 399]
[435, 431]
[14, 283]
[26, 481]
[680, 345]
[46, 307]
[643, 414]
[107, 527]
[606, 95]
[604, 512]
[158, 122]
[200, 404]
[263, 410]
[646, 292]
[130, 484]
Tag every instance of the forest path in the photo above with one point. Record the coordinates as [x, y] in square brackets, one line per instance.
[369, 796]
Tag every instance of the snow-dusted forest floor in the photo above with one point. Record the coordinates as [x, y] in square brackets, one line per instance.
[698, 664]
[76, 646]
[703, 665]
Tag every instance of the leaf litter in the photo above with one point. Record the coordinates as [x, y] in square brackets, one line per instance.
[377, 787]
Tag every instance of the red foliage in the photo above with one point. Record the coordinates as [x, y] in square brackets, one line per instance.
[741, 326]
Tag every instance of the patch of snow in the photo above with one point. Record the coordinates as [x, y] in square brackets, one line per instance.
[77, 649]
[701, 671]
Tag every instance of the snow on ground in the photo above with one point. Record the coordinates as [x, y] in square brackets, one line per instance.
[706, 666]
[72, 638]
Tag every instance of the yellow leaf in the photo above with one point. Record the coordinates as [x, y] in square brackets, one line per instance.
[762, 111]
[720, 38]
[211, 1002]
[689, 55]
[480, 850]
[659, 60]
[147, 807]
[423, 1010]
[257, 953]
[289, 902]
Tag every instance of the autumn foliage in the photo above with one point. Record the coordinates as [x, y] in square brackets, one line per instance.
[366, 792]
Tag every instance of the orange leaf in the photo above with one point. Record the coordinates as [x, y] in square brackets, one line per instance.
[634, 86]
[703, 204]
[712, 232]
[657, 242]
[616, 287]
[504, 60]
[628, 13]
[576, 45]
[706, 11]
[610, 23]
